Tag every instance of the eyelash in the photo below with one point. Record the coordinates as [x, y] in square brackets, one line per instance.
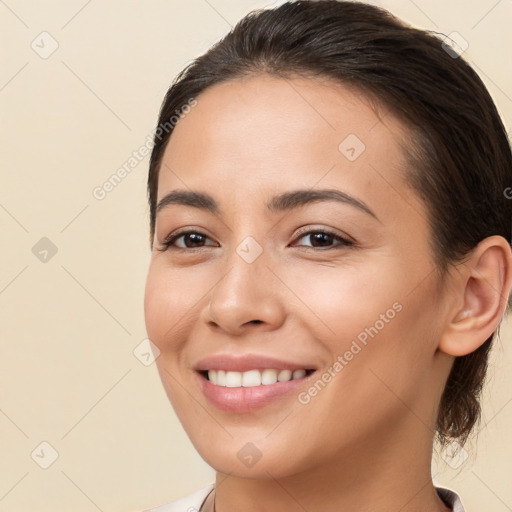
[168, 243]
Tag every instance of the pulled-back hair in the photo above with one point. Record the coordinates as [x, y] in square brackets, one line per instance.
[459, 155]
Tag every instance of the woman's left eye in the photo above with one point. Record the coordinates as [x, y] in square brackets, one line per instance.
[323, 239]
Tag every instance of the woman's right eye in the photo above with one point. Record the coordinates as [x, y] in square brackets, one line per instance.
[186, 240]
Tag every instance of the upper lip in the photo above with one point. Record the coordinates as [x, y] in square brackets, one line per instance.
[247, 362]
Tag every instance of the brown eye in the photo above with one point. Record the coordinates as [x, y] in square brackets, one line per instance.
[323, 239]
[191, 240]
[187, 240]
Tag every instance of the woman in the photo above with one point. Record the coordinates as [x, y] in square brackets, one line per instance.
[330, 258]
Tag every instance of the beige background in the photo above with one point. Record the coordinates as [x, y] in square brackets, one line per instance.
[69, 325]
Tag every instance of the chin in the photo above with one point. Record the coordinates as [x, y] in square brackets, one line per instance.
[239, 457]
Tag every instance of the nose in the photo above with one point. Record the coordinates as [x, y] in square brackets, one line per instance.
[247, 298]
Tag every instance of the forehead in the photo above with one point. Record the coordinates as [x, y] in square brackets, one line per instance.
[262, 131]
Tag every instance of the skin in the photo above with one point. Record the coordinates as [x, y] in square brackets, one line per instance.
[365, 441]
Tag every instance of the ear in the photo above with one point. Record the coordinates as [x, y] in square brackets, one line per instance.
[482, 288]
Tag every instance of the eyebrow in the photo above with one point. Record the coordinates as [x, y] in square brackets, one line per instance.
[282, 202]
[298, 198]
[189, 198]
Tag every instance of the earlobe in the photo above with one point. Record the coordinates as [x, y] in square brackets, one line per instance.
[483, 287]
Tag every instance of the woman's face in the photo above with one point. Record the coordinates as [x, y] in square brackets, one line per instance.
[295, 249]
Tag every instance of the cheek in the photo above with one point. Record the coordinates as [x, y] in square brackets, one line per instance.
[391, 359]
[155, 307]
[372, 321]
[343, 301]
[170, 301]
[162, 309]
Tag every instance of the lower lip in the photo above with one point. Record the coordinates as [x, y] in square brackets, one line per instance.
[247, 399]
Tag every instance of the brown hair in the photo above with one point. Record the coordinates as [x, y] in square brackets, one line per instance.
[462, 162]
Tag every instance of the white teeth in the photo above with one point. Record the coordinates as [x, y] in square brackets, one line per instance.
[284, 375]
[298, 374]
[268, 377]
[221, 377]
[252, 378]
[233, 379]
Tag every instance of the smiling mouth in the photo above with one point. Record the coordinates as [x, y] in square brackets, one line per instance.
[253, 378]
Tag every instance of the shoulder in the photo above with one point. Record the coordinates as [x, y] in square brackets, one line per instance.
[451, 498]
[190, 503]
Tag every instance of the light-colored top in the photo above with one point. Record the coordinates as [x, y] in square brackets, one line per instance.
[193, 502]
